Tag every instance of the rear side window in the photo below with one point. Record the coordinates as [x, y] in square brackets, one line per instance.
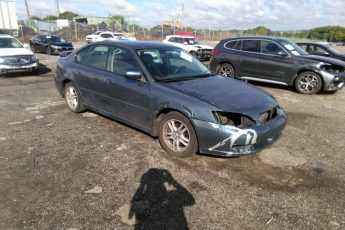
[173, 39]
[96, 57]
[231, 44]
[106, 36]
[250, 45]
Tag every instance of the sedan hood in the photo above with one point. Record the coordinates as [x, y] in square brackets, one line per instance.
[15, 51]
[61, 44]
[202, 46]
[227, 94]
[325, 59]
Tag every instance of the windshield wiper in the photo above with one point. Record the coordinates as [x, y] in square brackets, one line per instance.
[188, 78]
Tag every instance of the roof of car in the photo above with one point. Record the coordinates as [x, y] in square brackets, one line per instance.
[180, 36]
[5, 36]
[138, 44]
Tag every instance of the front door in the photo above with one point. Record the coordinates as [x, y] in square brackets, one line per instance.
[125, 98]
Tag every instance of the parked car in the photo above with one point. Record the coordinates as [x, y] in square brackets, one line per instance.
[278, 61]
[191, 45]
[166, 92]
[91, 37]
[15, 57]
[50, 44]
[102, 36]
[321, 50]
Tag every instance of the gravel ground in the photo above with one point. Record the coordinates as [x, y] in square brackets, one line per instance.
[60, 170]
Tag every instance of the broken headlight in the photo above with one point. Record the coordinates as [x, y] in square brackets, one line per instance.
[233, 119]
[331, 68]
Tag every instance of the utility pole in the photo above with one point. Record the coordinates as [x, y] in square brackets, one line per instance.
[58, 8]
[27, 10]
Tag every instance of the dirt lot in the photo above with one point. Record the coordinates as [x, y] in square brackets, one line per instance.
[60, 170]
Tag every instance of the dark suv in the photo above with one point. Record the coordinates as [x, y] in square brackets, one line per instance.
[279, 61]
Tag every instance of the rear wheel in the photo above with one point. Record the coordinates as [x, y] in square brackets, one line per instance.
[177, 136]
[226, 70]
[73, 98]
[49, 50]
[308, 83]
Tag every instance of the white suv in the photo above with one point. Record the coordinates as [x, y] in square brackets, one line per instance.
[101, 36]
[191, 45]
[15, 57]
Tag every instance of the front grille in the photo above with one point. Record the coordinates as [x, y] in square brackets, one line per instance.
[206, 51]
[268, 115]
[17, 60]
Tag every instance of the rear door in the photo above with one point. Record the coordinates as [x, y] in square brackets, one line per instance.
[91, 66]
[249, 57]
[125, 98]
[274, 62]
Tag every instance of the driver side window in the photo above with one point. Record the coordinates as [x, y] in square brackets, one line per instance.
[121, 61]
[268, 47]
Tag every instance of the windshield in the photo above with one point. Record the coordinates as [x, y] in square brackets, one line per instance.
[293, 47]
[334, 50]
[55, 39]
[171, 64]
[10, 43]
[192, 41]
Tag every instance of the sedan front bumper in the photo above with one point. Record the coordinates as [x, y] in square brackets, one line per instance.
[224, 140]
[4, 69]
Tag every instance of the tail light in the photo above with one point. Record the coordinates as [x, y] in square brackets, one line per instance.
[214, 52]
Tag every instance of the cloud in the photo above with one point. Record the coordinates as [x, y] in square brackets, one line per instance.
[216, 14]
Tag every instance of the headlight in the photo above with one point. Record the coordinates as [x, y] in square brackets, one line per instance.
[34, 57]
[56, 47]
[233, 119]
[331, 68]
[2, 60]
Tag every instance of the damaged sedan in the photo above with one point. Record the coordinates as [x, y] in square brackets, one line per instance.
[166, 92]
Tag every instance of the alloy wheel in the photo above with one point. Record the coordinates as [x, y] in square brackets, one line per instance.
[176, 135]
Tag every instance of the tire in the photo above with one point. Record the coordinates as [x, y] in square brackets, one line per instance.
[32, 47]
[49, 50]
[181, 141]
[226, 70]
[73, 98]
[35, 71]
[308, 83]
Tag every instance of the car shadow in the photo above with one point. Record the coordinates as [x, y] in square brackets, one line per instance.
[159, 202]
[42, 69]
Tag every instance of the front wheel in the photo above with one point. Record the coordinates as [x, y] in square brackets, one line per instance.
[177, 136]
[226, 70]
[308, 83]
[73, 98]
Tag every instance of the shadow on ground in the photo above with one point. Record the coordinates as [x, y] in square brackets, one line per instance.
[159, 202]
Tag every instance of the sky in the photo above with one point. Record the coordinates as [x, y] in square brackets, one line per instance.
[204, 14]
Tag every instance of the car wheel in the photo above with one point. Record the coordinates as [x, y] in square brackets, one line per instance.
[32, 47]
[35, 71]
[308, 83]
[73, 98]
[226, 70]
[177, 136]
[49, 50]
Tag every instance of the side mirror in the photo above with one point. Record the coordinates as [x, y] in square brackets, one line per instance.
[133, 75]
[65, 53]
[282, 53]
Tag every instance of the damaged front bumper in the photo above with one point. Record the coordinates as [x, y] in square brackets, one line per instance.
[333, 81]
[224, 140]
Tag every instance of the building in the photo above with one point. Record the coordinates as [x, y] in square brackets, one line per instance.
[92, 20]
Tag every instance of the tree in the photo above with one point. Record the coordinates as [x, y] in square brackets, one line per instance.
[118, 23]
[50, 17]
[68, 15]
[34, 17]
[329, 33]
